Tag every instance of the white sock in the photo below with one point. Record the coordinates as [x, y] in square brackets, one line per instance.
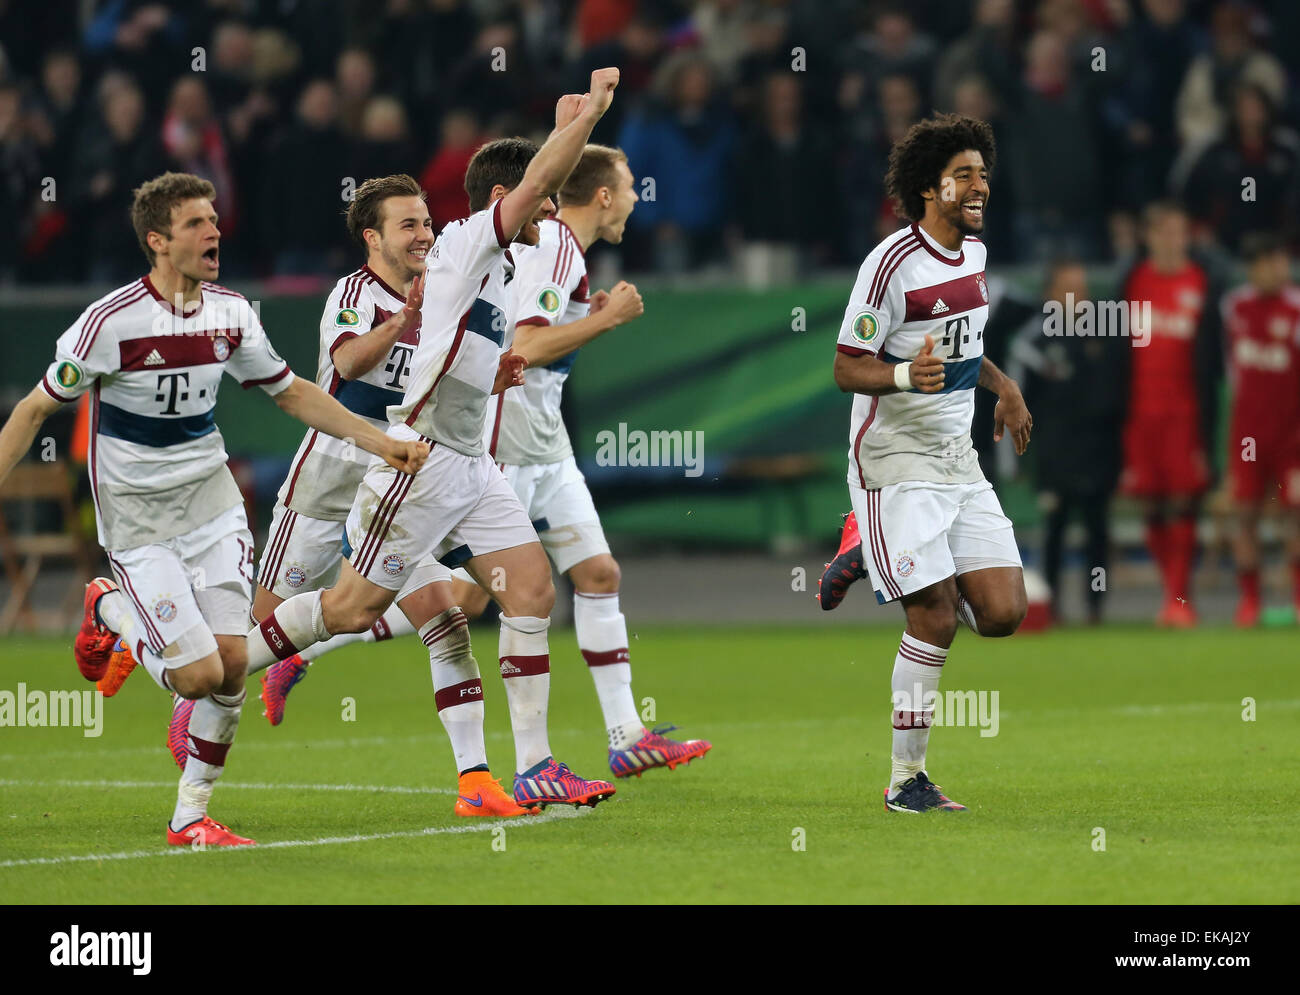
[115, 612]
[602, 638]
[457, 689]
[390, 625]
[526, 671]
[967, 614]
[211, 731]
[915, 685]
[291, 628]
[112, 610]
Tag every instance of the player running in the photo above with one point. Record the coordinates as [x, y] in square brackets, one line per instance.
[1262, 319]
[911, 350]
[555, 314]
[170, 516]
[463, 510]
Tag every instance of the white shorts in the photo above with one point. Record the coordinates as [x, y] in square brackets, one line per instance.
[304, 554]
[915, 534]
[556, 498]
[203, 577]
[457, 507]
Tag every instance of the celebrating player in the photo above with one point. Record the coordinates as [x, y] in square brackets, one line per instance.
[463, 510]
[1262, 319]
[911, 351]
[152, 354]
[555, 315]
[1170, 414]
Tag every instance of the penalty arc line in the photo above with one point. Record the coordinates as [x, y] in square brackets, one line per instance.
[550, 816]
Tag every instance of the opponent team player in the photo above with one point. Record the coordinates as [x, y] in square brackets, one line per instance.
[170, 516]
[555, 314]
[368, 334]
[1262, 319]
[463, 510]
[911, 351]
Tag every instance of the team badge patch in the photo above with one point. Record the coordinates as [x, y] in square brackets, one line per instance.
[865, 327]
[394, 564]
[221, 348]
[549, 300]
[165, 609]
[295, 576]
[984, 287]
[68, 374]
[905, 565]
[347, 317]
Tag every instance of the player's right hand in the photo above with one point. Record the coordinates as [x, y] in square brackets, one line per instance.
[603, 82]
[407, 456]
[624, 304]
[568, 108]
[927, 369]
[414, 300]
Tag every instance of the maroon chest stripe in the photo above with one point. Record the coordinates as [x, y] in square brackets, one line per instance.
[177, 350]
[411, 336]
[959, 295]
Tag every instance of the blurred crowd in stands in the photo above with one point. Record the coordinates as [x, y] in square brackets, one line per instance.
[760, 121]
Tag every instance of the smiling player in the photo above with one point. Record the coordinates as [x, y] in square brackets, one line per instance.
[911, 351]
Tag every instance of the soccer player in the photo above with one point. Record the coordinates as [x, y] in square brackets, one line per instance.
[170, 517]
[911, 351]
[463, 510]
[1262, 319]
[1173, 367]
[555, 314]
[368, 334]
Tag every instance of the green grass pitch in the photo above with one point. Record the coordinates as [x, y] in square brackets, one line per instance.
[1131, 731]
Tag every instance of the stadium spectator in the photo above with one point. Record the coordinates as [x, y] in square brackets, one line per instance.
[1256, 150]
[637, 51]
[354, 80]
[987, 49]
[303, 180]
[443, 178]
[1054, 155]
[1262, 318]
[493, 78]
[780, 172]
[1173, 372]
[385, 146]
[19, 171]
[118, 156]
[194, 143]
[57, 113]
[684, 144]
[1076, 378]
[1203, 99]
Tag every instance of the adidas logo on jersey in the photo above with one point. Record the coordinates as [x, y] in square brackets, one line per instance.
[154, 359]
[939, 307]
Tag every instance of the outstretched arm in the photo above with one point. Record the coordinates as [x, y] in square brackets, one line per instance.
[543, 344]
[20, 430]
[303, 400]
[1011, 410]
[555, 160]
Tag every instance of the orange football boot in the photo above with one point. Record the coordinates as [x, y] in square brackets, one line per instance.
[120, 665]
[481, 794]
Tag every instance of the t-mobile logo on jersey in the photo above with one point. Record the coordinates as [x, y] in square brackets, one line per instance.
[98, 949]
[657, 448]
[1098, 319]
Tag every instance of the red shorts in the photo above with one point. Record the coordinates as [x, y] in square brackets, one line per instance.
[1164, 456]
[1275, 470]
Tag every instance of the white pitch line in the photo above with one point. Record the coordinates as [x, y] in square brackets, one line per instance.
[481, 827]
[395, 789]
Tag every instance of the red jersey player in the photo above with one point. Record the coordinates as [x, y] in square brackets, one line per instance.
[1170, 397]
[1262, 318]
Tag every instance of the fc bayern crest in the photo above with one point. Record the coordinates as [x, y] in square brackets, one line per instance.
[905, 565]
[394, 564]
[165, 609]
[221, 348]
[295, 576]
[984, 287]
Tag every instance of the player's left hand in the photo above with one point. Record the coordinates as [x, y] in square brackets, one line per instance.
[510, 371]
[407, 456]
[414, 301]
[598, 301]
[1012, 413]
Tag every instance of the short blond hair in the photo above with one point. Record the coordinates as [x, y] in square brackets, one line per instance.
[152, 208]
[597, 168]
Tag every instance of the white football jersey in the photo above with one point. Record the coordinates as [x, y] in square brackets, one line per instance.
[464, 329]
[549, 288]
[909, 287]
[157, 460]
[326, 471]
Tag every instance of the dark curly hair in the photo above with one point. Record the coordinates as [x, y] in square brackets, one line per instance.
[917, 160]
